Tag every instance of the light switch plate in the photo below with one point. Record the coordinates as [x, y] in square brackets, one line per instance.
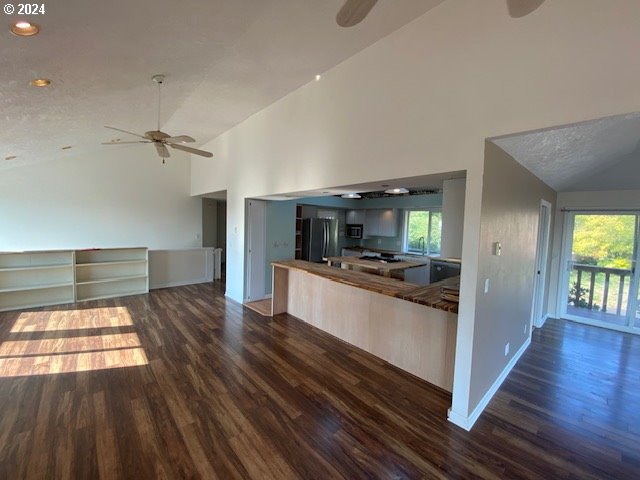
[486, 285]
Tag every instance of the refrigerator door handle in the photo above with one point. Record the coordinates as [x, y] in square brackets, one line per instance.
[325, 238]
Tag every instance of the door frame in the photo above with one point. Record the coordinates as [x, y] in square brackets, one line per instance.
[565, 271]
[255, 285]
[542, 260]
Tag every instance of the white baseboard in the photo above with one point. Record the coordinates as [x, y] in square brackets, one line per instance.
[544, 319]
[468, 422]
[180, 283]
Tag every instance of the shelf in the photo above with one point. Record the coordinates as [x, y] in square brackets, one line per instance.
[41, 278]
[36, 287]
[35, 267]
[102, 297]
[113, 279]
[22, 306]
[29, 259]
[110, 255]
[114, 262]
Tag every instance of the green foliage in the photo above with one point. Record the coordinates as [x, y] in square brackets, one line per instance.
[418, 227]
[604, 240]
[418, 231]
[577, 298]
[436, 232]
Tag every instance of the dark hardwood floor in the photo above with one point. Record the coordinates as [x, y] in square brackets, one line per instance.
[182, 383]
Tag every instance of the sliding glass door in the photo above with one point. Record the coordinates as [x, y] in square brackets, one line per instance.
[600, 279]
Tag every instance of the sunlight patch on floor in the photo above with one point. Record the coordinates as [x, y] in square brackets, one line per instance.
[72, 362]
[48, 321]
[69, 353]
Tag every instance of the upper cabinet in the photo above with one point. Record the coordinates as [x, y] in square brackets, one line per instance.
[356, 217]
[381, 222]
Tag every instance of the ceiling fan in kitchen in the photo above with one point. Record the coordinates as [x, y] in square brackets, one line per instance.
[159, 139]
[354, 11]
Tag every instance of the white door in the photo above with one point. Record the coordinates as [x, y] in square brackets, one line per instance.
[599, 275]
[544, 224]
[256, 249]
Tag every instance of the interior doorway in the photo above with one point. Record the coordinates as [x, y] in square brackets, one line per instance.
[600, 281]
[214, 231]
[256, 249]
[538, 315]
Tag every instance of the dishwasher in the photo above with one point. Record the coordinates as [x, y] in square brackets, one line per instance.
[441, 269]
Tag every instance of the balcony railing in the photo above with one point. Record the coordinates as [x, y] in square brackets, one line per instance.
[587, 278]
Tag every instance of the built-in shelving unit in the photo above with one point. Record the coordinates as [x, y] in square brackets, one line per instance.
[113, 272]
[298, 232]
[31, 279]
[37, 279]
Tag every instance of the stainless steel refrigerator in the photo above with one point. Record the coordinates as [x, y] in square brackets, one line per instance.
[319, 238]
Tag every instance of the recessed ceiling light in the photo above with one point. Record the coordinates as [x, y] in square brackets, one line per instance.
[24, 29]
[351, 195]
[318, 77]
[396, 191]
[10, 157]
[40, 82]
[66, 147]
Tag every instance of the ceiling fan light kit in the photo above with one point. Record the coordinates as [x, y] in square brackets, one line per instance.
[161, 140]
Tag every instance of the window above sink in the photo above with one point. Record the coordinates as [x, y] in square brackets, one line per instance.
[422, 231]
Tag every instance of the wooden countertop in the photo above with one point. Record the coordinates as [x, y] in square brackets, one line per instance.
[374, 264]
[426, 295]
[358, 248]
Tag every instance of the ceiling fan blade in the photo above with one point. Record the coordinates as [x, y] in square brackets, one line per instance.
[180, 139]
[124, 131]
[163, 151]
[521, 8]
[122, 143]
[195, 151]
[354, 11]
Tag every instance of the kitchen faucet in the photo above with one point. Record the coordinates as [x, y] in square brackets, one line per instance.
[421, 242]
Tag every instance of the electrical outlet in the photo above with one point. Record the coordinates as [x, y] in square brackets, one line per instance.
[486, 285]
[379, 241]
[506, 349]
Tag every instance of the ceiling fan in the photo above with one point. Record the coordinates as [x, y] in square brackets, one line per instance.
[354, 11]
[160, 139]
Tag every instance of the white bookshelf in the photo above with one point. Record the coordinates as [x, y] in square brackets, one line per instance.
[33, 279]
[37, 279]
[112, 272]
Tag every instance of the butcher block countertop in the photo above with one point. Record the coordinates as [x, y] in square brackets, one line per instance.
[374, 264]
[424, 295]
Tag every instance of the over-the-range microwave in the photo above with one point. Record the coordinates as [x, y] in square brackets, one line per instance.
[353, 230]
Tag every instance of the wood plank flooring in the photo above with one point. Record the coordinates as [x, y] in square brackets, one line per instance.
[263, 307]
[219, 391]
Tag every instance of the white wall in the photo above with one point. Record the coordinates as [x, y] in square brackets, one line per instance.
[123, 196]
[609, 199]
[452, 217]
[423, 100]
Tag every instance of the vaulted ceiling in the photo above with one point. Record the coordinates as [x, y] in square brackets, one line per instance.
[601, 154]
[224, 61]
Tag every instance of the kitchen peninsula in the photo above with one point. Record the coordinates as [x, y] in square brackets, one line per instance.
[407, 325]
